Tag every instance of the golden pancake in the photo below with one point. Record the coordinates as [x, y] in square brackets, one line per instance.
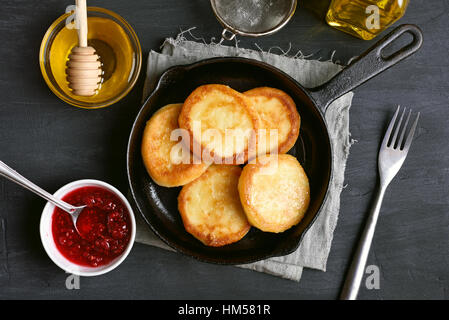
[210, 207]
[221, 123]
[276, 110]
[163, 165]
[274, 193]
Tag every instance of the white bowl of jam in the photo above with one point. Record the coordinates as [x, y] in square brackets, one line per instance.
[107, 227]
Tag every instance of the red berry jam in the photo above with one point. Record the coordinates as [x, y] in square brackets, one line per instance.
[104, 226]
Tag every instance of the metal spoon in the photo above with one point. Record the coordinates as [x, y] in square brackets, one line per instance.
[12, 175]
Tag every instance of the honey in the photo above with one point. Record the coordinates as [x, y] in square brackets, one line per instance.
[365, 18]
[114, 49]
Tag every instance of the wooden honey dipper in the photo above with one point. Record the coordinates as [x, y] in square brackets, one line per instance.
[84, 67]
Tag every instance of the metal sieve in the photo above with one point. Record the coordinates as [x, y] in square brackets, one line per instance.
[252, 18]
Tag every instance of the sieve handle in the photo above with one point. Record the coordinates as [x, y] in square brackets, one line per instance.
[227, 35]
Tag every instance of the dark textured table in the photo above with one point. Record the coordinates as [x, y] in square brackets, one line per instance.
[53, 143]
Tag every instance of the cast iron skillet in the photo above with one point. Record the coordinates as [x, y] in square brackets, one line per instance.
[158, 205]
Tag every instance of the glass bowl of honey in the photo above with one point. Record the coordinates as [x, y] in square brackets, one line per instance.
[116, 44]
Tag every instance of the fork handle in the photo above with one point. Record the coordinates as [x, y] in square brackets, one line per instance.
[357, 269]
[14, 176]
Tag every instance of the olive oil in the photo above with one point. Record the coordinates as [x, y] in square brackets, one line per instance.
[114, 49]
[365, 18]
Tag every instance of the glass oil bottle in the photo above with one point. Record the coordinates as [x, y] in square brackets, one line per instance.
[365, 18]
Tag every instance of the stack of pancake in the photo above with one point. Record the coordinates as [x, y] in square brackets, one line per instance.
[203, 143]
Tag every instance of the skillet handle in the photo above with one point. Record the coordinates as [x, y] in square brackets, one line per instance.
[367, 66]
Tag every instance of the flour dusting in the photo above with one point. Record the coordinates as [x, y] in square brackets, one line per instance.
[253, 15]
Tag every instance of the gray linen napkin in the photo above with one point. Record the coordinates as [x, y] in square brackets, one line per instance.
[314, 249]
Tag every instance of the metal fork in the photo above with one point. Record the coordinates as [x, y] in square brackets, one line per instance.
[391, 157]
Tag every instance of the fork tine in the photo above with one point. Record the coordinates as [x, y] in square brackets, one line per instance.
[399, 145]
[390, 128]
[409, 139]
[396, 131]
